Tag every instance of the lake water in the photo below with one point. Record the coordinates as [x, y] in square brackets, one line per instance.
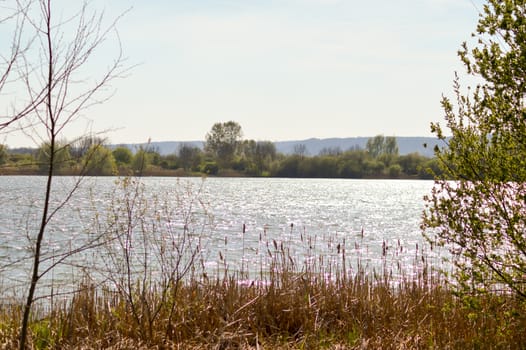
[240, 222]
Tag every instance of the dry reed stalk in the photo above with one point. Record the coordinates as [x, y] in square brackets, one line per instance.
[293, 306]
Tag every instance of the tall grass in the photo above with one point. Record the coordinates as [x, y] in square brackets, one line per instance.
[290, 305]
[152, 288]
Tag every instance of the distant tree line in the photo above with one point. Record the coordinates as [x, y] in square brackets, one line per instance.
[225, 153]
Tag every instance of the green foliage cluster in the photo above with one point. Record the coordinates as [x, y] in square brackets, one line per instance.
[223, 142]
[3, 154]
[482, 217]
[226, 149]
[247, 158]
[356, 164]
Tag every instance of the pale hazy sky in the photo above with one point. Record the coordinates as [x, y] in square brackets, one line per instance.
[283, 69]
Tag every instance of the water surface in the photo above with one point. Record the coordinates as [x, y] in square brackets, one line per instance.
[240, 221]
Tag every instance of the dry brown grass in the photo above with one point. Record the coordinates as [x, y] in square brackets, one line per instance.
[286, 309]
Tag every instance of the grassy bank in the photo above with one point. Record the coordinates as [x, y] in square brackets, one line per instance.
[287, 309]
[153, 289]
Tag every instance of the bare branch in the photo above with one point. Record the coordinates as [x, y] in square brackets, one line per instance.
[52, 71]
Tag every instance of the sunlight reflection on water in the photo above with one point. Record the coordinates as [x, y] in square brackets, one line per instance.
[312, 218]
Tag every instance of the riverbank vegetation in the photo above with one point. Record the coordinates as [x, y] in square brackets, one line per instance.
[481, 219]
[153, 284]
[153, 288]
[93, 156]
[293, 306]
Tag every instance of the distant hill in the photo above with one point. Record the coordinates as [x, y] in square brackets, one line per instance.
[313, 146]
[406, 145]
[163, 147]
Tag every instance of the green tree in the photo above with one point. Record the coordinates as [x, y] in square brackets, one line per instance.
[154, 155]
[384, 147]
[122, 155]
[99, 160]
[330, 151]
[81, 146]
[324, 167]
[375, 146]
[57, 157]
[373, 167]
[189, 156]
[169, 161]
[352, 163]
[290, 166]
[210, 168]
[300, 149]
[431, 168]
[481, 217]
[411, 163]
[141, 161]
[3, 154]
[21, 159]
[265, 154]
[259, 155]
[391, 146]
[394, 170]
[223, 142]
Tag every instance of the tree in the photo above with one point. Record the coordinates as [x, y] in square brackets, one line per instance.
[3, 154]
[481, 217]
[390, 146]
[330, 151]
[81, 146]
[56, 161]
[375, 145]
[264, 155]
[52, 72]
[381, 145]
[352, 163]
[149, 254]
[189, 156]
[99, 160]
[373, 167]
[384, 149]
[394, 170]
[223, 141]
[210, 168]
[141, 161]
[412, 163]
[257, 156]
[122, 155]
[300, 149]
[290, 166]
[154, 156]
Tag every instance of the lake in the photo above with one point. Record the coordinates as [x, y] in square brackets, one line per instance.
[238, 222]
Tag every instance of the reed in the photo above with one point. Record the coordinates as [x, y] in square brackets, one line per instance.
[290, 305]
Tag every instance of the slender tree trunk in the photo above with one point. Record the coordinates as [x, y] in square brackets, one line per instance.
[36, 260]
[43, 223]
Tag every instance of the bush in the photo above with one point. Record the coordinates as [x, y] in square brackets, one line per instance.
[210, 168]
